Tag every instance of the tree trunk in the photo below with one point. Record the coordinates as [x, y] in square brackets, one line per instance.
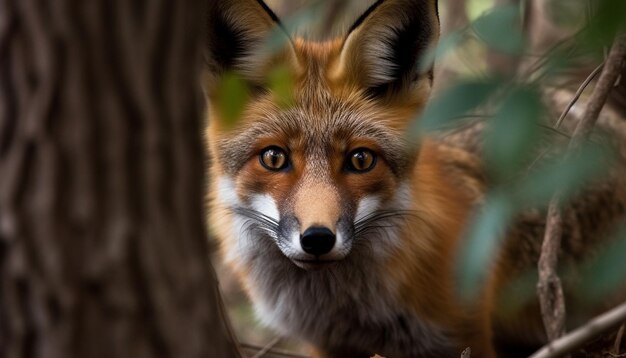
[102, 242]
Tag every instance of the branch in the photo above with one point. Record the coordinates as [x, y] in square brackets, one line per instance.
[267, 348]
[606, 82]
[549, 286]
[596, 327]
[579, 92]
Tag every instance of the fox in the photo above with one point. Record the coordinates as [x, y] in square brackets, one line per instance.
[343, 232]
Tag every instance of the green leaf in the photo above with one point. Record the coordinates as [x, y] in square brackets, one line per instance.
[454, 102]
[513, 132]
[565, 175]
[447, 44]
[478, 250]
[232, 98]
[501, 29]
[281, 83]
[476, 8]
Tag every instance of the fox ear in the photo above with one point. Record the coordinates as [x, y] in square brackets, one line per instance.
[383, 47]
[244, 36]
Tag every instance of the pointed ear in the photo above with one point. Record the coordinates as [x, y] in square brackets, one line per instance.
[246, 37]
[383, 48]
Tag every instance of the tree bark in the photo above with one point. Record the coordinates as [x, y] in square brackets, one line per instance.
[102, 241]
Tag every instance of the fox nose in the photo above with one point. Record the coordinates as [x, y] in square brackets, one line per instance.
[317, 241]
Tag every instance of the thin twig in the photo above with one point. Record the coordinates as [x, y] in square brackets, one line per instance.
[579, 92]
[549, 287]
[275, 351]
[555, 130]
[544, 58]
[568, 108]
[594, 328]
[267, 348]
[606, 82]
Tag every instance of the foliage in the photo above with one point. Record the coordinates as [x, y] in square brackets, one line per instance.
[516, 118]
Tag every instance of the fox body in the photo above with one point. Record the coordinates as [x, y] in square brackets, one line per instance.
[343, 233]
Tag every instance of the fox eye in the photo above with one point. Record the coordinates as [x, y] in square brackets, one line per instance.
[274, 159]
[361, 160]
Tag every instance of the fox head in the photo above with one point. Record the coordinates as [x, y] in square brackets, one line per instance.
[309, 184]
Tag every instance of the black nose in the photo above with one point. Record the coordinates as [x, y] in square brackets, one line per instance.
[317, 241]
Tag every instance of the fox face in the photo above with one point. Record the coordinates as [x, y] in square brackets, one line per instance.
[332, 167]
[310, 200]
[313, 187]
[315, 177]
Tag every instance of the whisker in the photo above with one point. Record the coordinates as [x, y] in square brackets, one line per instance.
[380, 221]
[258, 220]
[383, 214]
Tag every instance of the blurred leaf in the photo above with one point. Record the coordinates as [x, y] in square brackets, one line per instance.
[454, 102]
[565, 175]
[513, 132]
[233, 96]
[447, 44]
[606, 274]
[281, 83]
[570, 13]
[475, 8]
[491, 26]
[477, 252]
[306, 16]
[556, 64]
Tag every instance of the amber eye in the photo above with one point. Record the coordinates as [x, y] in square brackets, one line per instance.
[361, 160]
[274, 158]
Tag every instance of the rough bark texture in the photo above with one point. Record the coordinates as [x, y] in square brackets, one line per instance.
[102, 242]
